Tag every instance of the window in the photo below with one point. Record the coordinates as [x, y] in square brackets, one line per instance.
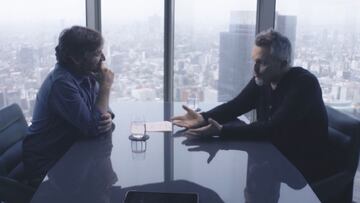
[134, 50]
[325, 38]
[29, 34]
[134, 38]
[213, 43]
[212, 62]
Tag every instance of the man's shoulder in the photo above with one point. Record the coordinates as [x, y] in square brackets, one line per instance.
[60, 72]
[299, 74]
[62, 75]
[55, 75]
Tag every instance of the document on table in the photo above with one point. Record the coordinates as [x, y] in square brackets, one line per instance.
[159, 126]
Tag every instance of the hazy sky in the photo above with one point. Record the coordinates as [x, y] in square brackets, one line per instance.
[322, 11]
[186, 10]
[194, 11]
[29, 11]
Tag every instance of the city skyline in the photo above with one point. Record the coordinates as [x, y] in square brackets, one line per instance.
[197, 57]
[207, 42]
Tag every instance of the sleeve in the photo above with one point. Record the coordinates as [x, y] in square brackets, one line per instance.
[241, 104]
[295, 106]
[97, 94]
[66, 101]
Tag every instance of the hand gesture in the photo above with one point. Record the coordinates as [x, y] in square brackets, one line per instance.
[213, 128]
[191, 119]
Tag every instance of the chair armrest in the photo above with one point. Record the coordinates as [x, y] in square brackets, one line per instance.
[339, 139]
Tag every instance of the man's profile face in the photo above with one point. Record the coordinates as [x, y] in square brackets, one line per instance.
[92, 61]
[266, 67]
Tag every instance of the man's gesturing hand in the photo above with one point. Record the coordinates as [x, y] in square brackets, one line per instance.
[191, 119]
[213, 128]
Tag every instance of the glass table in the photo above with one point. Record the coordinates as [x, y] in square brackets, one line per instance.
[218, 170]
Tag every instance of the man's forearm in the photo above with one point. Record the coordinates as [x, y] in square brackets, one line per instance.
[241, 104]
[102, 102]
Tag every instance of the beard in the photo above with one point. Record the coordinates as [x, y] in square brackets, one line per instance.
[259, 81]
[97, 68]
[90, 68]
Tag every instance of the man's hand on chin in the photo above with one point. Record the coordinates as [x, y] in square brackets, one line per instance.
[213, 128]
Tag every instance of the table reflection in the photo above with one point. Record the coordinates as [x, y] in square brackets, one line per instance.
[103, 169]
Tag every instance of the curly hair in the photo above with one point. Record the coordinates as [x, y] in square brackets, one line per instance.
[75, 42]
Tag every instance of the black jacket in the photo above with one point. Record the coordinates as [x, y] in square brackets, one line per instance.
[293, 117]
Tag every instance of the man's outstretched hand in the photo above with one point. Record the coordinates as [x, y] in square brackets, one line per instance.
[190, 120]
[213, 128]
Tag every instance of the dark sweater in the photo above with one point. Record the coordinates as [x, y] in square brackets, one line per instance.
[293, 117]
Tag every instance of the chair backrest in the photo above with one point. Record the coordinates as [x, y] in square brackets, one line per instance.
[345, 129]
[13, 128]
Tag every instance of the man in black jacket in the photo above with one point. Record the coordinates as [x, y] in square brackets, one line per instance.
[289, 107]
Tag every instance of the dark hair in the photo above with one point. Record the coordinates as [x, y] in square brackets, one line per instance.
[278, 44]
[75, 42]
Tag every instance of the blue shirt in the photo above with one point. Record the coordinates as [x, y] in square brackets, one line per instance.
[64, 112]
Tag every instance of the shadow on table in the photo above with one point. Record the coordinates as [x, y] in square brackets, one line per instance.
[267, 168]
[85, 174]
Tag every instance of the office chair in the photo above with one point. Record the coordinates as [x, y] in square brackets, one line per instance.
[12, 131]
[344, 135]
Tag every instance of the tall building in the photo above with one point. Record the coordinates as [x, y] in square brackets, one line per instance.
[235, 64]
[286, 25]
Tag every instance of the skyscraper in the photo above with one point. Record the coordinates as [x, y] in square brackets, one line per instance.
[235, 65]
